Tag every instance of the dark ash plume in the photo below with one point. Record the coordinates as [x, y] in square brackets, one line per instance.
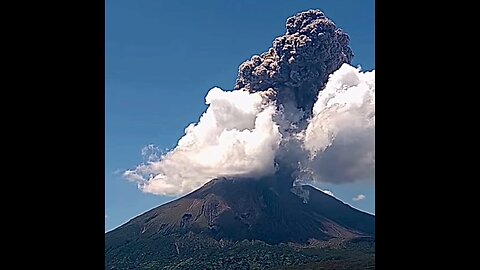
[299, 63]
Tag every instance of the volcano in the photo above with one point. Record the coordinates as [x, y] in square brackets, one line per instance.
[227, 213]
[266, 221]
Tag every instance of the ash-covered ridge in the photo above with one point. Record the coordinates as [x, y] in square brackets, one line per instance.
[299, 63]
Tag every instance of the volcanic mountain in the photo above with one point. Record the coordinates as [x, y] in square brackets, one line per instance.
[227, 211]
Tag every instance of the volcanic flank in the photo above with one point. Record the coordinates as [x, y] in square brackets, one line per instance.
[211, 225]
[237, 209]
[245, 164]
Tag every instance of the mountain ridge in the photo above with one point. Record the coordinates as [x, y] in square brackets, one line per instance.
[229, 214]
[245, 203]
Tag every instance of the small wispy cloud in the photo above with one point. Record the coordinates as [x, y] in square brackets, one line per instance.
[328, 192]
[151, 153]
[359, 197]
[118, 172]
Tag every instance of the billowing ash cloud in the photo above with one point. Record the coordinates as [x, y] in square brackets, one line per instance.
[277, 118]
[299, 62]
[236, 136]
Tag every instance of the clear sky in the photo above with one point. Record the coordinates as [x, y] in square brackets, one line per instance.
[161, 59]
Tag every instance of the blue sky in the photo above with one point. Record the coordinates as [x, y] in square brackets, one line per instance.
[161, 59]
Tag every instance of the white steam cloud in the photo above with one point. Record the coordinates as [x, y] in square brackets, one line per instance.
[242, 133]
[340, 137]
[236, 136]
[359, 197]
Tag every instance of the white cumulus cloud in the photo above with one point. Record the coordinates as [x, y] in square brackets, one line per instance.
[236, 136]
[340, 136]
